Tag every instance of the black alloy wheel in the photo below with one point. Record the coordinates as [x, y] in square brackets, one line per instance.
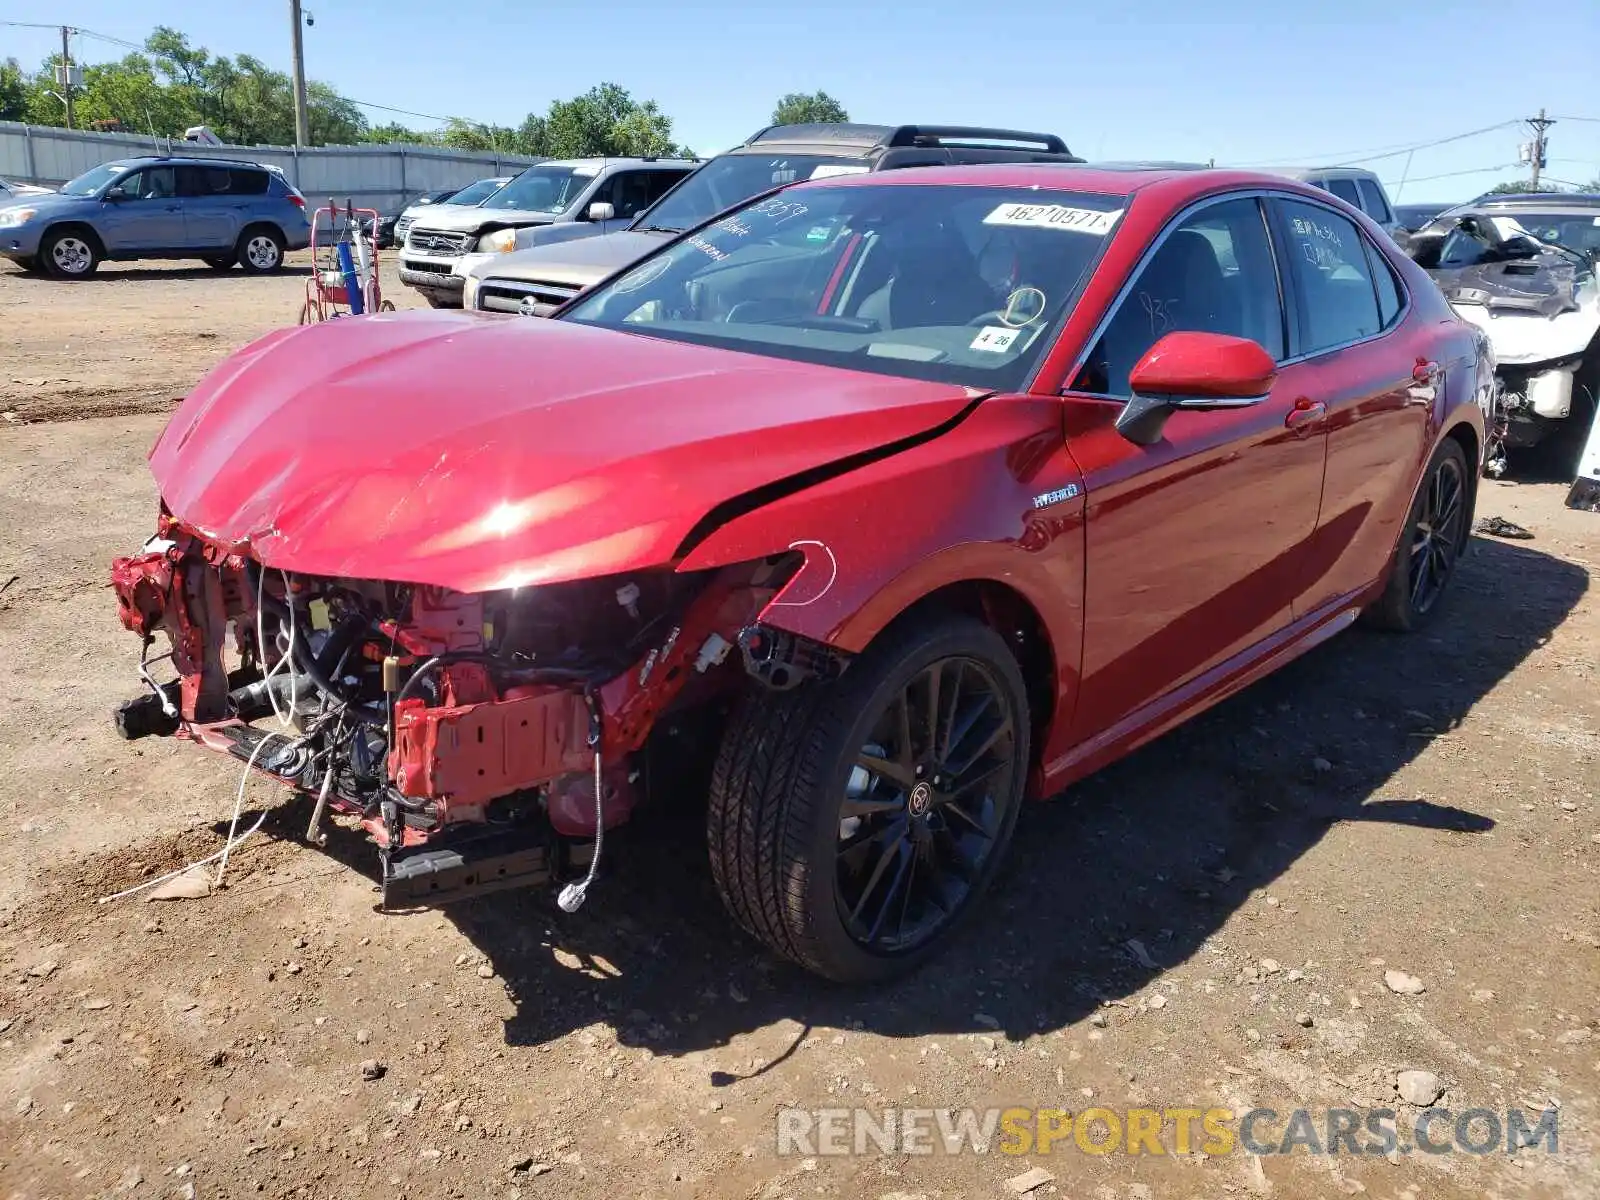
[855, 822]
[1438, 535]
[925, 806]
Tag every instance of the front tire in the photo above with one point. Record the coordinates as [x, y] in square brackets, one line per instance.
[260, 250]
[69, 254]
[1431, 543]
[854, 824]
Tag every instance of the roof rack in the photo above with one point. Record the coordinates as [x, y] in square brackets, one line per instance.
[976, 136]
[902, 136]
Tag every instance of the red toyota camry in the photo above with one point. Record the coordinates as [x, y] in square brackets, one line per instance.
[938, 488]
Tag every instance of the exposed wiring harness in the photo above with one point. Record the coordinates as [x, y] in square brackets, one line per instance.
[572, 896]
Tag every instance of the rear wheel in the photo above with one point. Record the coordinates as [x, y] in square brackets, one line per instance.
[260, 250]
[1430, 545]
[854, 824]
[69, 254]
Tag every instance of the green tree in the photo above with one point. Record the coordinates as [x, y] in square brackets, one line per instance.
[645, 131]
[130, 94]
[1513, 186]
[335, 121]
[394, 132]
[13, 91]
[532, 136]
[586, 125]
[802, 108]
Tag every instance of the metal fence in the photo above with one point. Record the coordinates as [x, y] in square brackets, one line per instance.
[378, 176]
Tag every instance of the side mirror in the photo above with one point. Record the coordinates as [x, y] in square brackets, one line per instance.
[1470, 226]
[1193, 370]
[601, 211]
[116, 193]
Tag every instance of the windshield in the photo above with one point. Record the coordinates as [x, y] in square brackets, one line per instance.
[1576, 231]
[1579, 234]
[474, 193]
[733, 179]
[92, 181]
[946, 282]
[544, 188]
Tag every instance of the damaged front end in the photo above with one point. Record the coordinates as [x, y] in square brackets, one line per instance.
[483, 741]
[1539, 304]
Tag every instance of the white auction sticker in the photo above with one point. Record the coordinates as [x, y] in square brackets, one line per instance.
[995, 339]
[834, 170]
[1054, 216]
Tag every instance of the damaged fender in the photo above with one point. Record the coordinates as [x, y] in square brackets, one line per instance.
[989, 502]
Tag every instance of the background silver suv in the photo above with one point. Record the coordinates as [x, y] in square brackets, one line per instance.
[441, 246]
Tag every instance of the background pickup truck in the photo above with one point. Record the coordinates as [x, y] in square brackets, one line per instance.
[602, 193]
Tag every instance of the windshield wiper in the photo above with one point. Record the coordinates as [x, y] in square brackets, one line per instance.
[657, 229]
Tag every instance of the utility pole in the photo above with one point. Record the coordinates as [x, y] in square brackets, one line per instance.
[1539, 124]
[302, 124]
[66, 73]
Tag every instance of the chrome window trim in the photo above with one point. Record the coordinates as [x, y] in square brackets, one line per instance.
[1285, 279]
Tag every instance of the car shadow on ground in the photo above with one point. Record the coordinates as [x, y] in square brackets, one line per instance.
[1158, 850]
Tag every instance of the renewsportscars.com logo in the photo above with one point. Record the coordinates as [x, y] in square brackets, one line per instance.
[1152, 1131]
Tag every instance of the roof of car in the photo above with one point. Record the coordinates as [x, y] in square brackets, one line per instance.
[198, 160]
[613, 162]
[1113, 180]
[1546, 200]
[1303, 173]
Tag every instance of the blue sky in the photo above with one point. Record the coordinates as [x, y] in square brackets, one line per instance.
[1243, 81]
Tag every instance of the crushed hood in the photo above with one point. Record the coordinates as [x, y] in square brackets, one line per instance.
[1544, 285]
[477, 452]
[1537, 308]
[1536, 303]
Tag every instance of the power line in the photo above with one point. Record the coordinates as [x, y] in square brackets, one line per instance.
[1346, 157]
[1445, 141]
[406, 112]
[106, 37]
[1452, 174]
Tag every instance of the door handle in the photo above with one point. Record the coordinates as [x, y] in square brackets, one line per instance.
[174, 208]
[1425, 378]
[1305, 413]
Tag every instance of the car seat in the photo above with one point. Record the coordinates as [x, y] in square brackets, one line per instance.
[933, 280]
[1182, 288]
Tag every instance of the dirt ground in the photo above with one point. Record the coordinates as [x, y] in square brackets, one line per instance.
[1207, 924]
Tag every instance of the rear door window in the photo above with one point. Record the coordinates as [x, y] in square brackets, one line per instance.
[1345, 189]
[244, 182]
[1373, 203]
[1332, 276]
[1390, 301]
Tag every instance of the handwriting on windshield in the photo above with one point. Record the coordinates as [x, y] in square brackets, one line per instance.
[778, 210]
[706, 248]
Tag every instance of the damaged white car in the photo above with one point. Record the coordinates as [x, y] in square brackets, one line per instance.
[1523, 269]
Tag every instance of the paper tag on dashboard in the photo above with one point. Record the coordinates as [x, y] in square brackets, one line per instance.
[996, 339]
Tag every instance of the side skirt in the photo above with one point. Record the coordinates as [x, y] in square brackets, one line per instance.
[1223, 680]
